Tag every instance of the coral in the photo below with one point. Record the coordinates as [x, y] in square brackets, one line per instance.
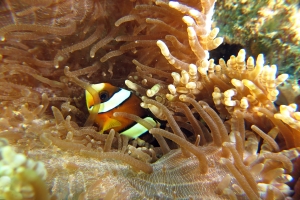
[289, 93]
[221, 136]
[20, 176]
[268, 27]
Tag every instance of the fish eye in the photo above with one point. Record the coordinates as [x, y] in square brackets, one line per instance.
[103, 95]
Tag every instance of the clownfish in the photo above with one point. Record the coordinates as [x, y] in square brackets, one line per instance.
[115, 99]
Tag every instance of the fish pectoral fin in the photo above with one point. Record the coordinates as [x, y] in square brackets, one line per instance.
[111, 123]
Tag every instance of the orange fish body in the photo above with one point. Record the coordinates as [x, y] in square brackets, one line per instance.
[115, 99]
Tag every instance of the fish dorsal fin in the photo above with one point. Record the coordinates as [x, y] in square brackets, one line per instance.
[111, 123]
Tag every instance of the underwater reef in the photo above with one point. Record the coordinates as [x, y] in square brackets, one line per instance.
[269, 27]
[219, 134]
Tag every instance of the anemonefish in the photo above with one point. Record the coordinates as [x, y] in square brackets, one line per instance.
[115, 99]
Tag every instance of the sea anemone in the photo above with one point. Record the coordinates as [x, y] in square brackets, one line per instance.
[219, 136]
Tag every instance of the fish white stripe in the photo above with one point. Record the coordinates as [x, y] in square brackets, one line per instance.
[138, 129]
[117, 99]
